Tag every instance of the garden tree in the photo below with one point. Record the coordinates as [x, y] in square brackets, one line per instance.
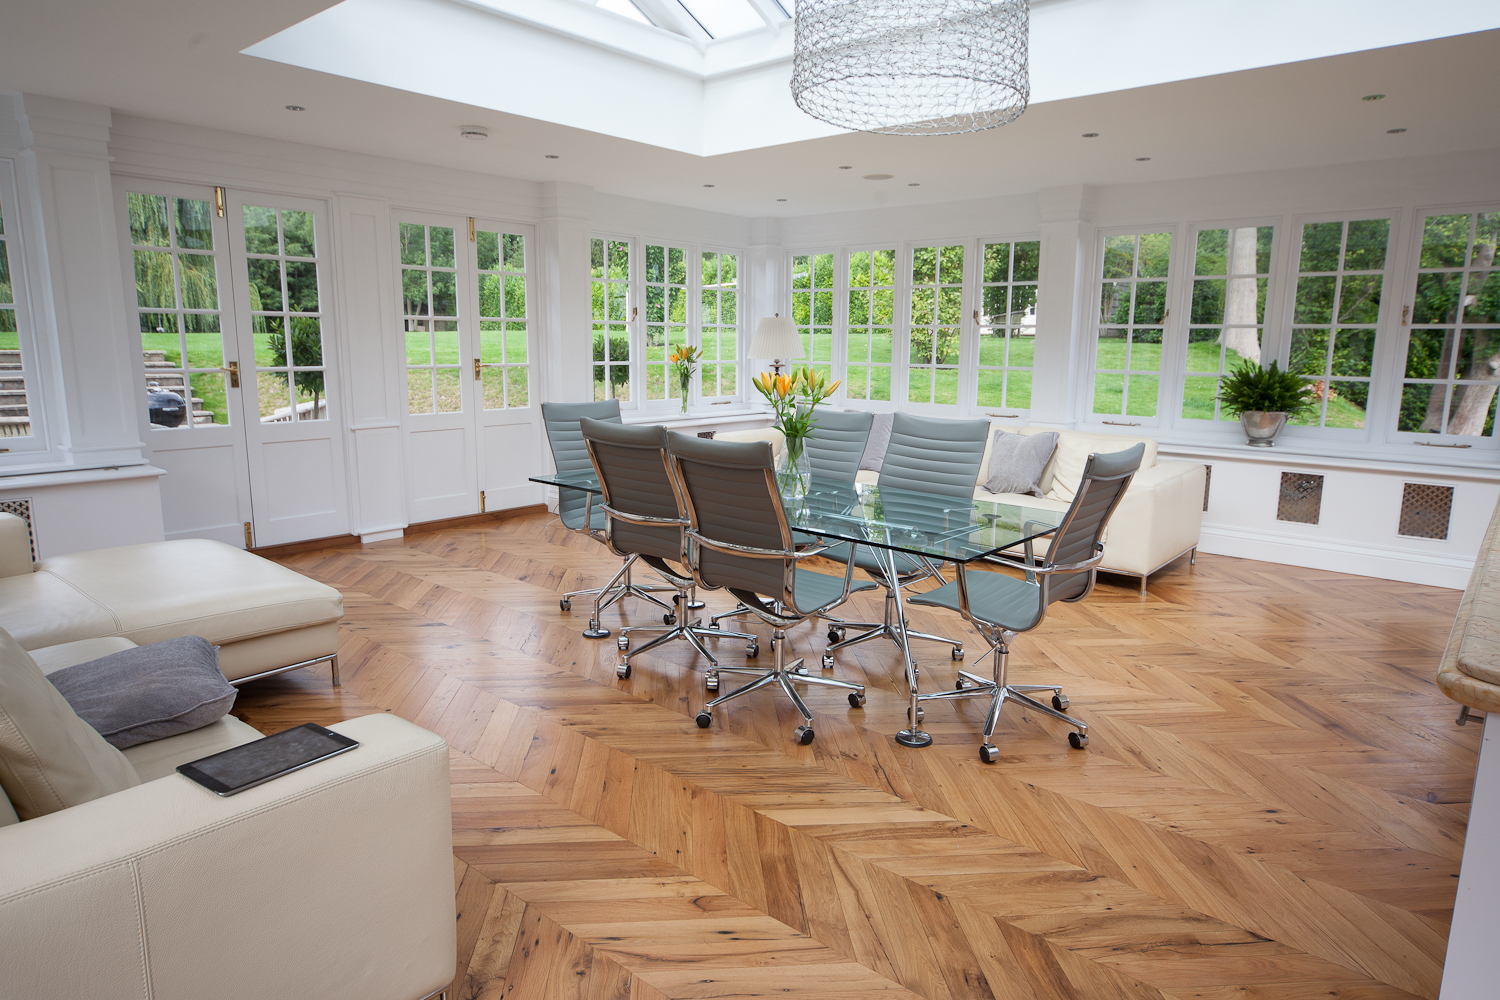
[1241, 304]
[1431, 352]
[307, 349]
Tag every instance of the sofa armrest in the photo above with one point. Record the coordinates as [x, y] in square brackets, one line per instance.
[333, 882]
[769, 434]
[1160, 517]
[15, 546]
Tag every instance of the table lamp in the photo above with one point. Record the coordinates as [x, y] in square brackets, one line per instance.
[776, 338]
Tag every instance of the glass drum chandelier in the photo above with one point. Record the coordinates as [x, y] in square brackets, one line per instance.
[912, 67]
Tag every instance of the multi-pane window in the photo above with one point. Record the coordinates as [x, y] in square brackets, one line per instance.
[1007, 323]
[286, 319]
[666, 284]
[609, 267]
[872, 320]
[429, 306]
[812, 308]
[1453, 354]
[720, 325]
[1231, 273]
[500, 265]
[1340, 274]
[937, 292]
[15, 410]
[1132, 311]
[178, 308]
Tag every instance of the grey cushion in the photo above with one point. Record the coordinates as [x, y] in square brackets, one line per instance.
[150, 692]
[880, 439]
[1017, 462]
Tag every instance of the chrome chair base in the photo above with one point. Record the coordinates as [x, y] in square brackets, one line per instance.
[618, 588]
[887, 630]
[785, 675]
[694, 632]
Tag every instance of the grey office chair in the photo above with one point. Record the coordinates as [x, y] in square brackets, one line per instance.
[742, 542]
[645, 519]
[833, 449]
[578, 510]
[1000, 606]
[926, 455]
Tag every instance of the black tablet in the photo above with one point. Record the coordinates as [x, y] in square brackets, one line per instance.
[251, 764]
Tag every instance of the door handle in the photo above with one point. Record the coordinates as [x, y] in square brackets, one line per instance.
[233, 368]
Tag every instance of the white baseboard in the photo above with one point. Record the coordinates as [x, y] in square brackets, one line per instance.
[382, 536]
[1430, 569]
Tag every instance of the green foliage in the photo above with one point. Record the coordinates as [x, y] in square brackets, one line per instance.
[619, 350]
[1250, 388]
[307, 349]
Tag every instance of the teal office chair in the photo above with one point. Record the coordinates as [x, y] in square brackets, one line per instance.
[1001, 606]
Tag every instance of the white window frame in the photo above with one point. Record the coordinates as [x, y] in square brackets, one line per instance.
[1378, 404]
[696, 318]
[632, 305]
[968, 349]
[976, 301]
[838, 318]
[1409, 276]
[1088, 368]
[22, 450]
[841, 290]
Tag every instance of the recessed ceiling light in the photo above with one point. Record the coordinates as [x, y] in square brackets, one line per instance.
[846, 168]
[474, 133]
[1394, 131]
[708, 185]
[550, 156]
[878, 177]
[295, 107]
[1091, 135]
[913, 184]
[781, 199]
[1142, 159]
[1373, 97]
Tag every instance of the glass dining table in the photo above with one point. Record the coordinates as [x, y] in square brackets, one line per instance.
[888, 521]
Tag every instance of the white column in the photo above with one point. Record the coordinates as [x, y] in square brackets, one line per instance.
[73, 270]
[766, 292]
[1062, 302]
[565, 336]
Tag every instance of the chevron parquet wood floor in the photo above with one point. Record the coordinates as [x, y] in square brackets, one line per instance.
[1272, 806]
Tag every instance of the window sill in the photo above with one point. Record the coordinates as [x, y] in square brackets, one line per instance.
[74, 476]
[1296, 453]
[717, 416]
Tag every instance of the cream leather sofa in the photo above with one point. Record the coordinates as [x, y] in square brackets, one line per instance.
[1469, 671]
[334, 882]
[263, 617]
[1159, 520]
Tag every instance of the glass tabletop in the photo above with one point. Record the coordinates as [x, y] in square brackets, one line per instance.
[948, 528]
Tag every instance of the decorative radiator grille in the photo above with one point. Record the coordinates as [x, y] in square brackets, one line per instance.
[1425, 510]
[1208, 477]
[22, 509]
[1301, 497]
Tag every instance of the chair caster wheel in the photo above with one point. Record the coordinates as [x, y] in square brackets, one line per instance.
[622, 670]
[856, 699]
[623, 642]
[669, 619]
[827, 661]
[594, 631]
[1060, 702]
[803, 735]
[1078, 741]
[958, 652]
[989, 753]
[752, 651]
[712, 624]
[961, 683]
[921, 714]
[711, 682]
[704, 720]
[565, 604]
[835, 635]
[676, 598]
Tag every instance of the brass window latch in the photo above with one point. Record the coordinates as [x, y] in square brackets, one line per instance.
[233, 368]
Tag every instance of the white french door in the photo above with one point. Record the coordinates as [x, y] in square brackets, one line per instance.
[232, 304]
[472, 430]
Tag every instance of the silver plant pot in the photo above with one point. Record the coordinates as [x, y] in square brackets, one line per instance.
[1262, 426]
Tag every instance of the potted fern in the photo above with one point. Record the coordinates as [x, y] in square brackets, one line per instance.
[1265, 399]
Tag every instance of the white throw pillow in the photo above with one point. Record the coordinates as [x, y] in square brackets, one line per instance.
[1068, 461]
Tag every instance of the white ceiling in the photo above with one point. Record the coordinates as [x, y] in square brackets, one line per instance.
[181, 61]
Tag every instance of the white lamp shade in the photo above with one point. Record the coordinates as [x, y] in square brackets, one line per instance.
[776, 337]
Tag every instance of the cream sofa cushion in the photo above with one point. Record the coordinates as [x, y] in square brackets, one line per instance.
[50, 759]
[160, 758]
[1073, 450]
[52, 658]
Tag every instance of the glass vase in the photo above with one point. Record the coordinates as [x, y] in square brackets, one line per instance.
[684, 382]
[796, 469]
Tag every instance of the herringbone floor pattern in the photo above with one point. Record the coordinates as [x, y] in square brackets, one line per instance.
[1272, 805]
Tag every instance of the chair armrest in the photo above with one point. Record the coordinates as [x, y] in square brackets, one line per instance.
[15, 546]
[1160, 516]
[333, 882]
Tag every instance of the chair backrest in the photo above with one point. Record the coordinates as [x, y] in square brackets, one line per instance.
[934, 455]
[837, 442]
[732, 498]
[633, 470]
[1105, 478]
[569, 454]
